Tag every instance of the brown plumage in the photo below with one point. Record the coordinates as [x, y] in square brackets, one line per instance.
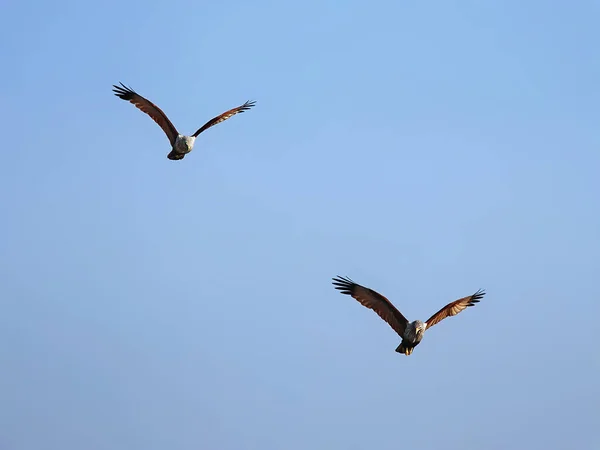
[410, 332]
[145, 105]
[373, 300]
[181, 144]
[223, 117]
[452, 309]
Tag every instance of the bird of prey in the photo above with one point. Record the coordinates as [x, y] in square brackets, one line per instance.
[410, 332]
[180, 145]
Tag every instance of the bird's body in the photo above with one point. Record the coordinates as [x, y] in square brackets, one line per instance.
[410, 332]
[413, 334]
[183, 145]
[180, 145]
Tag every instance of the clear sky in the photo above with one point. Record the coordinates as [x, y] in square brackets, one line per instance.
[424, 149]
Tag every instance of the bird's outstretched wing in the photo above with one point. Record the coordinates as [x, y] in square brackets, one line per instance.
[452, 309]
[145, 105]
[226, 115]
[373, 300]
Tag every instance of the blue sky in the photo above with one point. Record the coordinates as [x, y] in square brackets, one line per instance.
[424, 149]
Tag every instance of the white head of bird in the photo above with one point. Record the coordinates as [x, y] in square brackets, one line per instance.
[419, 326]
[184, 144]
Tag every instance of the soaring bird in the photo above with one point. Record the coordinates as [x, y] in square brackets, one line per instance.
[180, 145]
[410, 332]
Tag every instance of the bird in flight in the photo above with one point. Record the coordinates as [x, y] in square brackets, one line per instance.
[410, 332]
[180, 145]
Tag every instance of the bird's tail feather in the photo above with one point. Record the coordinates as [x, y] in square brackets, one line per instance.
[404, 349]
[175, 156]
